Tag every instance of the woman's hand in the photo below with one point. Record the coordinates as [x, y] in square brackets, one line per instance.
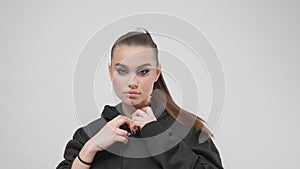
[141, 117]
[111, 133]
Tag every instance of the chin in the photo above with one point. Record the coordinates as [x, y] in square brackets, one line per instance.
[133, 102]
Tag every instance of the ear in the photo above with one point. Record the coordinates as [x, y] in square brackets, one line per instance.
[110, 71]
[158, 72]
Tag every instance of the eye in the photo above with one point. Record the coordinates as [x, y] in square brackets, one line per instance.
[121, 71]
[143, 72]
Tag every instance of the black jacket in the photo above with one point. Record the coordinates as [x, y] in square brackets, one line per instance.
[185, 151]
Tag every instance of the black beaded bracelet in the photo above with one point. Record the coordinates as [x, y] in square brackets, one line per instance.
[86, 163]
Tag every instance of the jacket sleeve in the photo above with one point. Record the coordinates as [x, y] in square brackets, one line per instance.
[188, 153]
[73, 148]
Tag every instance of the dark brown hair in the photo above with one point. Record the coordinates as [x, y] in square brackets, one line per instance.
[186, 118]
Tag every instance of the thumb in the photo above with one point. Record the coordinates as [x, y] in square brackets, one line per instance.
[146, 109]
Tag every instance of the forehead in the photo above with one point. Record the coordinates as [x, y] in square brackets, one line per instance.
[133, 56]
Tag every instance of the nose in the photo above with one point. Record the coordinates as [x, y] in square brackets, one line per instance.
[133, 83]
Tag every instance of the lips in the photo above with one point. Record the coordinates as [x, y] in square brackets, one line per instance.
[132, 93]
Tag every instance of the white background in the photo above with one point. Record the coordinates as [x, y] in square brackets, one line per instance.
[257, 42]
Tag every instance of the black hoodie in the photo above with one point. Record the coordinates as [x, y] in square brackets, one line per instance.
[176, 147]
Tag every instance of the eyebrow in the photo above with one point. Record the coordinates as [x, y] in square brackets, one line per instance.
[146, 64]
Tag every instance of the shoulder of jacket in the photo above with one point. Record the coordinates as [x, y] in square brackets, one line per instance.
[86, 132]
[93, 127]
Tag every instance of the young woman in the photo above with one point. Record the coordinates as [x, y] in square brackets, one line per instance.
[111, 140]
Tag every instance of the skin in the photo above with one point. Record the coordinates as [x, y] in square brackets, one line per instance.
[126, 75]
[136, 108]
[135, 68]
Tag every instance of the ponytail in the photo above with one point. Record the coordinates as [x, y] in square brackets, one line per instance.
[174, 110]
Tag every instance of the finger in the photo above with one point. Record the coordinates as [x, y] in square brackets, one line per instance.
[132, 127]
[139, 112]
[121, 132]
[146, 109]
[137, 125]
[121, 139]
[137, 118]
[122, 120]
[114, 120]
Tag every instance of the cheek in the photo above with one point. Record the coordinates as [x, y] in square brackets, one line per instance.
[148, 85]
[118, 83]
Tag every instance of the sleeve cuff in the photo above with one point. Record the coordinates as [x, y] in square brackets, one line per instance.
[151, 129]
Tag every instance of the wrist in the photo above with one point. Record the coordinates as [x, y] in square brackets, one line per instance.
[92, 147]
[87, 152]
[82, 161]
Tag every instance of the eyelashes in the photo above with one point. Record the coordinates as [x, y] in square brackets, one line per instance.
[143, 72]
[124, 72]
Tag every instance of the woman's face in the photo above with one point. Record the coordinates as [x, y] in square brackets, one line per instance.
[133, 72]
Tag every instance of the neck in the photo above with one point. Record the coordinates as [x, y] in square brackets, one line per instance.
[130, 109]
